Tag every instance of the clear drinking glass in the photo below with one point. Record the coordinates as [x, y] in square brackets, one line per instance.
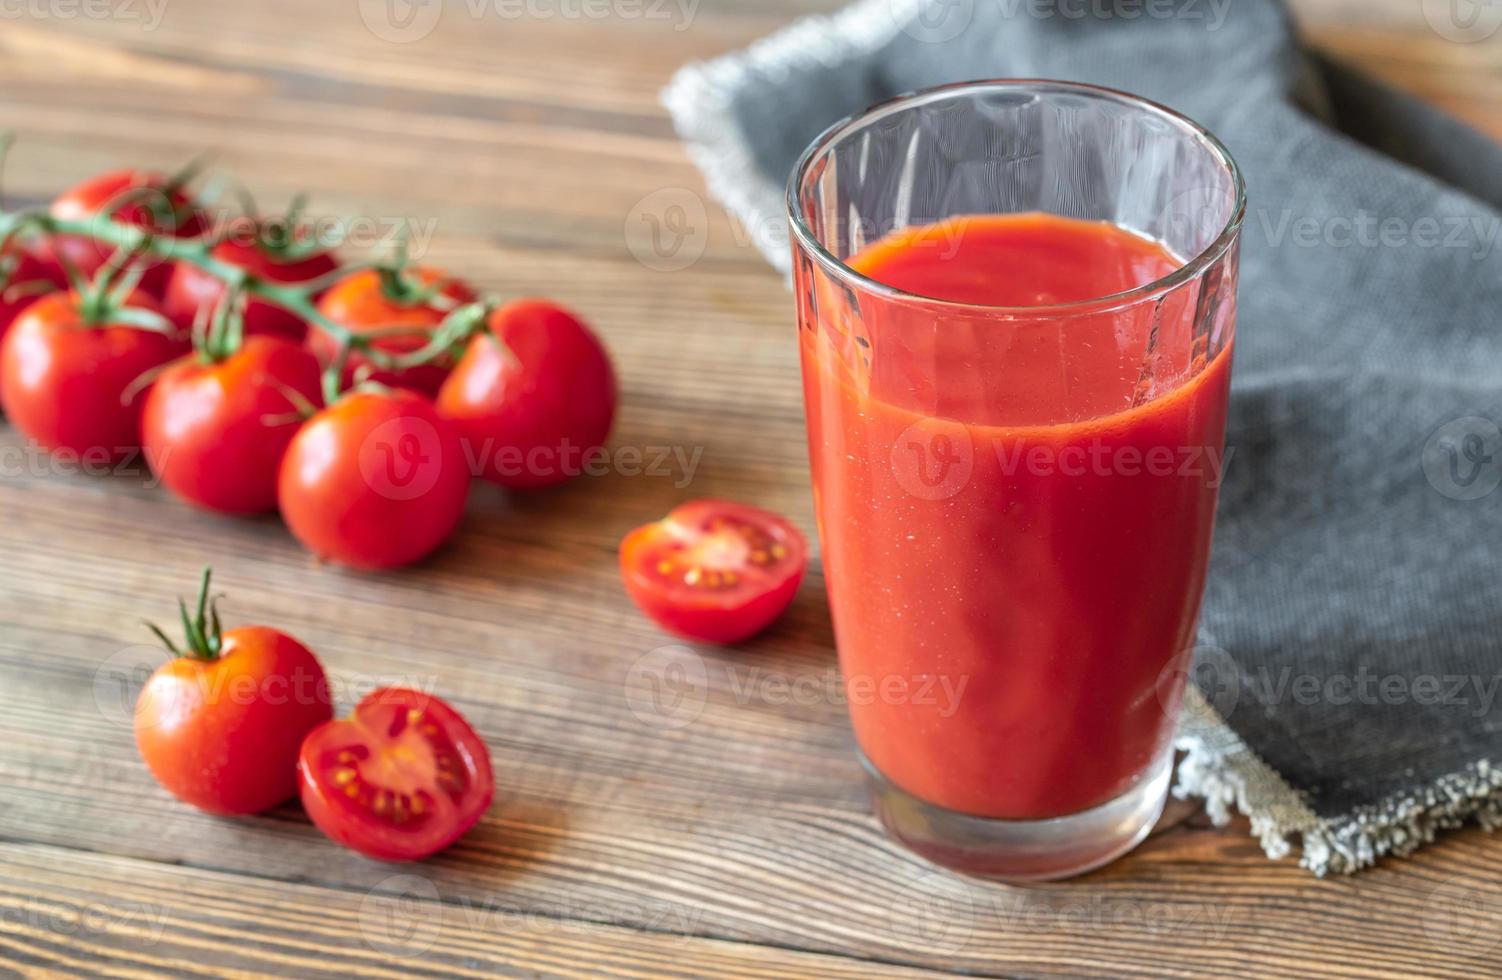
[1015, 503]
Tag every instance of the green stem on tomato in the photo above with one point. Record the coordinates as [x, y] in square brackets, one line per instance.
[202, 631]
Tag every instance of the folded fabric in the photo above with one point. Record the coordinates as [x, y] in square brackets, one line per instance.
[1348, 681]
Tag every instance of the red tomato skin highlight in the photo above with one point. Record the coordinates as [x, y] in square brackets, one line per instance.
[65, 385]
[374, 481]
[216, 433]
[358, 303]
[532, 396]
[224, 735]
[350, 827]
[190, 288]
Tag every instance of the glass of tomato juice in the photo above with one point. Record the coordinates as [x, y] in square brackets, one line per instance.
[1016, 305]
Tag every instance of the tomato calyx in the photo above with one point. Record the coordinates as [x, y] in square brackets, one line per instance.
[203, 632]
[180, 206]
[104, 300]
[401, 284]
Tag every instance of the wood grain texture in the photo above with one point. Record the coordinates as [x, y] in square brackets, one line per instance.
[722, 835]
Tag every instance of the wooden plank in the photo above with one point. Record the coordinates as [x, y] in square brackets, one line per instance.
[68, 912]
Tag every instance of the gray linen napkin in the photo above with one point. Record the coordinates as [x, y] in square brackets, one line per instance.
[1348, 694]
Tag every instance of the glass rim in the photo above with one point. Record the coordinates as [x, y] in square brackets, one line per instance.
[1189, 270]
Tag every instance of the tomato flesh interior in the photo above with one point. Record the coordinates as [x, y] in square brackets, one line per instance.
[401, 778]
[716, 556]
[398, 768]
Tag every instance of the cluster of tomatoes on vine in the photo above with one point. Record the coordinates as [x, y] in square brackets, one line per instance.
[256, 371]
[259, 373]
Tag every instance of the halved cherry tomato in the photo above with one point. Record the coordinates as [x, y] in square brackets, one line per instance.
[137, 197]
[714, 570]
[267, 251]
[531, 396]
[372, 299]
[221, 724]
[71, 385]
[215, 432]
[400, 779]
[374, 481]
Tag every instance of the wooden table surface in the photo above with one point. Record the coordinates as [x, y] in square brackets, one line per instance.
[720, 830]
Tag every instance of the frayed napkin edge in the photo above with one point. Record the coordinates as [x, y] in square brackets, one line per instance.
[1219, 768]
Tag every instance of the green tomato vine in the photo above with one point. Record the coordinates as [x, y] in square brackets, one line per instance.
[219, 333]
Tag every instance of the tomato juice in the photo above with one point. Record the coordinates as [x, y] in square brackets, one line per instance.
[1015, 485]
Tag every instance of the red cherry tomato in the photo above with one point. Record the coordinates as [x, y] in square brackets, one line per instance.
[714, 570]
[374, 481]
[532, 396]
[220, 725]
[74, 386]
[256, 249]
[137, 197]
[216, 432]
[401, 779]
[366, 300]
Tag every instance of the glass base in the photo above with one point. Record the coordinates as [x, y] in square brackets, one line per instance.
[1021, 850]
